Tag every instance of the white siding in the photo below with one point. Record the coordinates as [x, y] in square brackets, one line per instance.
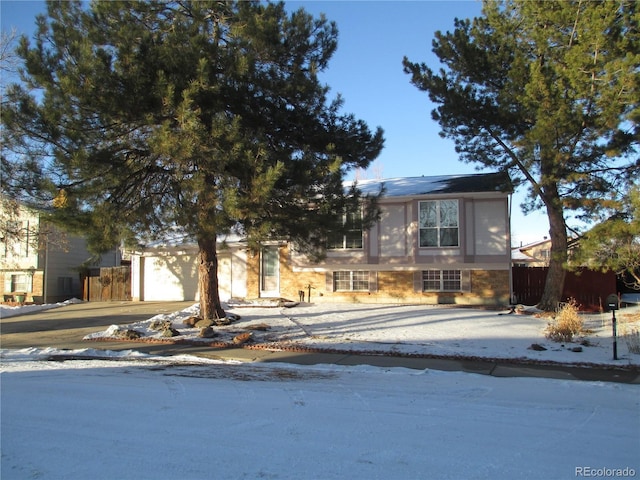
[393, 232]
[490, 227]
[232, 275]
[137, 285]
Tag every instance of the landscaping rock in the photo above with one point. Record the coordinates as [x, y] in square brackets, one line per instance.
[204, 323]
[171, 332]
[242, 338]
[537, 347]
[262, 327]
[576, 349]
[159, 325]
[128, 334]
[207, 332]
[192, 320]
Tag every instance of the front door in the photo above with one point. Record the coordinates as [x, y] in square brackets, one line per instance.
[269, 272]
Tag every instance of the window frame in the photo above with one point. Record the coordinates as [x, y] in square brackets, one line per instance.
[355, 277]
[26, 281]
[440, 226]
[444, 280]
[65, 285]
[352, 234]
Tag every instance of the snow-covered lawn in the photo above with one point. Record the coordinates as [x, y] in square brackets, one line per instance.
[409, 329]
[8, 311]
[133, 416]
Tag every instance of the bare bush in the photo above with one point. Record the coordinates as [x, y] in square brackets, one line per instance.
[566, 324]
[630, 332]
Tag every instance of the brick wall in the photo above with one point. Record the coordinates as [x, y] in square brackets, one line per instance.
[37, 285]
[488, 287]
[253, 275]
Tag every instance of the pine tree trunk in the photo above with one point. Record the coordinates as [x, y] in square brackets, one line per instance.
[554, 284]
[210, 306]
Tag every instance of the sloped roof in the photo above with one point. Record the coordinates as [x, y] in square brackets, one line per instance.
[411, 186]
[538, 243]
[518, 255]
[394, 187]
[175, 238]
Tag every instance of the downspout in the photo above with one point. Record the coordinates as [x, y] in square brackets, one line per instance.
[511, 299]
[46, 271]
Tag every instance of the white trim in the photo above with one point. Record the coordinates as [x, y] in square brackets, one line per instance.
[276, 291]
[405, 268]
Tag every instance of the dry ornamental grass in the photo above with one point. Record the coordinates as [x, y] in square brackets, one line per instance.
[630, 332]
[566, 324]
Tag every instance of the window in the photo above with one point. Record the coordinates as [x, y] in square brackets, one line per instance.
[357, 281]
[16, 240]
[441, 281]
[352, 237]
[65, 285]
[20, 283]
[438, 223]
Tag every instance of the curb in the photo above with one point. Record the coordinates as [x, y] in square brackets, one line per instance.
[279, 347]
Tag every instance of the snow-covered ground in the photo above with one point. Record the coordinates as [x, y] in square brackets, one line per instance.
[133, 416]
[11, 311]
[189, 418]
[410, 329]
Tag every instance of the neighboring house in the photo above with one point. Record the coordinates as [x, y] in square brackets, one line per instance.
[442, 239]
[38, 262]
[536, 254]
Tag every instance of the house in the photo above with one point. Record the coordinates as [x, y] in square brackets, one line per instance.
[38, 262]
[536, 254]
[443, 239]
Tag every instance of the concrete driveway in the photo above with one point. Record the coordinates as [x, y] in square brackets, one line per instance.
[65, 328]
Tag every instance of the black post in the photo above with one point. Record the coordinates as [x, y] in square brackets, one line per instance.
[613, 304]
[615, 340]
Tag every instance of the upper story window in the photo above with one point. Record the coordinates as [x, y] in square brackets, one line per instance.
[438, 223]
[16, 240]
[352, 237]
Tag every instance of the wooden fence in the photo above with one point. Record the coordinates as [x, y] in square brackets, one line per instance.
[113, 283]
[588, 288]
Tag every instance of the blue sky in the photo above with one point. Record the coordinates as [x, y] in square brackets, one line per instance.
[366, 70]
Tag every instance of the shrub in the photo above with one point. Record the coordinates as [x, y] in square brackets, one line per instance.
[566, 324]
[630, 333]
[632, 339]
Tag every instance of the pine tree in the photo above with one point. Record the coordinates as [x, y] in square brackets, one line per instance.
[548, 91]
[614, 244]
[198, 116]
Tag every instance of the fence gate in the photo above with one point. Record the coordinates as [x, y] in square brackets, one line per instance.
[113, 283]
[528, 284]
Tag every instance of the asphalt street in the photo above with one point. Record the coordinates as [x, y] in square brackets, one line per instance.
[65, 328]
